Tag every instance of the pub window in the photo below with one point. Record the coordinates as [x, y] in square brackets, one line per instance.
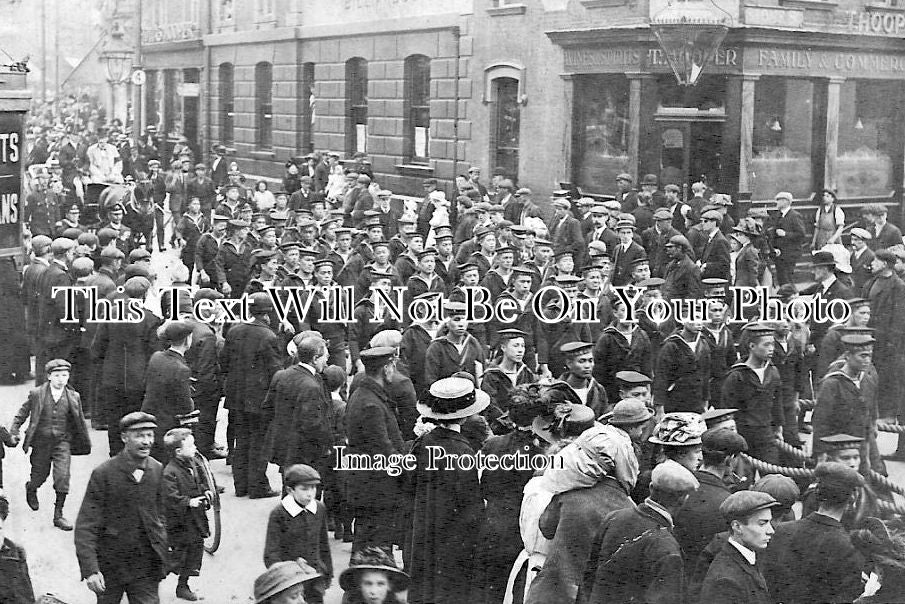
[869, 128]
[172, 105]
[308, 107]
[417, 111]
[356, 106]
[601, 132]
[782, 145]
[264, 105]
[506, 122]
[227, 108]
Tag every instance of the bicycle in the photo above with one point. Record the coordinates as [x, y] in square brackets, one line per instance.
[212, 542]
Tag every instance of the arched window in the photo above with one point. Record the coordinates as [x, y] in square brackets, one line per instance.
[503, 90]
[226, 94]
[264, 105]
[417, 108]
[356, 105]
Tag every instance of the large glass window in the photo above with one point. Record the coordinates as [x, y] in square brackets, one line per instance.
[782, 145]
[264, 105]
[601, 131]
[417, 110]
[226, 92]
[356, 106]
[172, 104]
[506, 124]
[870, 125]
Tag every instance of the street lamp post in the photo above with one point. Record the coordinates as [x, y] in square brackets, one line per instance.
[117, 57]
[690, 32]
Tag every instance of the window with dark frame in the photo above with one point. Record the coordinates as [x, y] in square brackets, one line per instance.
[356, 106]
[506, 124]
[227, 107]
[308, 108]
[417, 109]
[152, 100]
[264, 105]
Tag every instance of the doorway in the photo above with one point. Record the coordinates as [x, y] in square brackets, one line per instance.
[690, 151]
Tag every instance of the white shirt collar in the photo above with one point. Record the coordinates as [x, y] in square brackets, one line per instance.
[826, 283]
[748, 554]
[294, 509]
[309, 368]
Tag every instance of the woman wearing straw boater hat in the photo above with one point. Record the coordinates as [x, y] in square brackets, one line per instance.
[448, 508]
[747, 263]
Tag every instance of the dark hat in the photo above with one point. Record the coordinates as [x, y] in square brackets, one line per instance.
[563, 252]
[759, 329]
[260, 303]
[238, 224]
[72, 233]
[372, 558]
[377, 356]
[589, 268]
[786, 291]
[886, 256]
[206, 293]
[281, 576]
[88, 239]
[822, 258]
[139, 254]
[522, 270]
[839, 442]
[137, 270]
[632, 378]
[467, 267]
[679, 241]
[323, 262]
[453, 308]
[837, 476]
[741, 504]
[453, 398]
[381, 243]
[504, 249]
[714, 416]
[334, 376]
[264, 228]
[576, 347]
[624, 176]
[854, 340]
[568, 419]
[625, 224]
[714, 288]
[300, 473]
[712, 215]
[724, 440]
[219, 218]
[640, 260]
[378, 275]
[567, 280]
[41, 243]
[538, 242]
[61, 245]
[428, 251]
[782, 488]
[231, 185]
[671, 187]
[649, 179]
[261, 256]
[174, 331]
[57, 365]
[630, 411]
[442, 233]
[137, 420]
[508, 334]
[483, 232]
[136, 286]
[200, 166]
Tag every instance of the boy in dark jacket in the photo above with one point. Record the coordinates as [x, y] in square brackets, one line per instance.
[185, 503]
[297, 528]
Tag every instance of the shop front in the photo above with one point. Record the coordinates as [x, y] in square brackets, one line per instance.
[774, 111]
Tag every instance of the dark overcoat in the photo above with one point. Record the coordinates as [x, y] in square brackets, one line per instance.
[447, 514]
[14, 577]
[401, 398]
[699, 519]
[125, 349]
[372, 430]
[107, 535]
[715, 258]
[614, 353]
[682, 378]
[182, 481]
[733, 580]
[302, 427]
[168, 393]
[52, 309]
[566, 522]
[251, 356]
[443, 359]
[636, 559]
[844, 407]
[683, 280]
[415, 341]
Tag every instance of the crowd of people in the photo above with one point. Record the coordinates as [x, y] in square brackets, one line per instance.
[644, 494]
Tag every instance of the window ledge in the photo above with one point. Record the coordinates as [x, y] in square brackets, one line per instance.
[509, 9]
[883, 7]
[415, 169]
[591, 4]
[827, 5]
[263, 154]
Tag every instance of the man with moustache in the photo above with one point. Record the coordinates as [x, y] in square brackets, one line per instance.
[120, 539]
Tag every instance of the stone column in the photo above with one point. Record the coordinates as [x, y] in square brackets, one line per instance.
[568, 81]
[832, 132]
[746, 134]
[634, 123]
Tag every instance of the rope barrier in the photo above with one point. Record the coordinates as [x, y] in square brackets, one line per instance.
[891, 428]
[891, 506]
[769, 468]
[886, 482]
[793, 451]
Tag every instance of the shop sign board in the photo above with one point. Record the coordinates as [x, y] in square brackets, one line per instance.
[12, 145]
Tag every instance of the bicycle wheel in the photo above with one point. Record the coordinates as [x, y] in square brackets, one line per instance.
[212, 542]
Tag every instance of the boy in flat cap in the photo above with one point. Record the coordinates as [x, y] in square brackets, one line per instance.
[734, 575]
[120, 539]
[168, 389]
[56, 431]
[813, 559]
[297, 528]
